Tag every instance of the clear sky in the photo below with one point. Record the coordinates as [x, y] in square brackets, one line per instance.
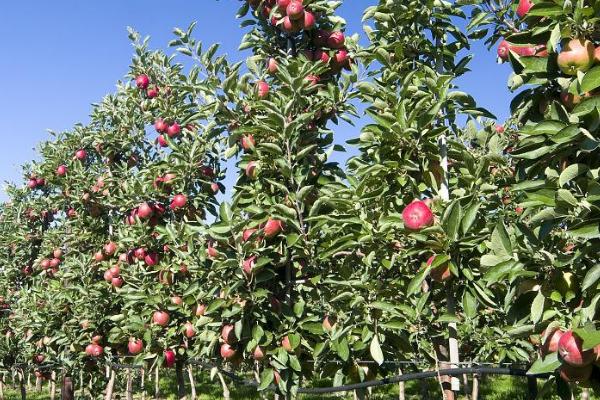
[57, 57]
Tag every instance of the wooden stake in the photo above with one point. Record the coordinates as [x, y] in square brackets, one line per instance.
[38, 383]
[110, 387]
[401, 388]
[52, 385]
[192, 381]
[143, 383]
[129, 385]
[156, 383]
[66, 390]
[475, 388]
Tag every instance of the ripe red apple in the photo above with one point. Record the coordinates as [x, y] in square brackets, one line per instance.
[142, 81]
[251, 170]
[200, 310]
[597, 55]
[108, 276]
[523, 7]
[162, 142]
[117, 282]
[177, 300]
[212, 252]
[341, 58]
[38, 358]
[263, 89]
[573, 374]
[40, 182]
[31, 183]
[248, 265]
[160, 125]
[215, 187]
[321, 55]
[94, 350]
[140, 253]
[179, 201]
[61, 170]
[499, 129]
[417, 215]
[227, 352]
[247, 233]
[151, 259]
[551, 343]
[110, 248]
[272, 65]
[336, 40]
[57, 253]
[173, 130]
[99, 256]
[169, 358]
[135, 346]
[309, 20]
[273, 227]
[81, 155]
[327, 326]
[55, 262]
[295, 10]
[145, 211]
[228, 334]
[570, 350]
[576, 55]
[161, 318]
[441, 273]
[152, 92]
[313, 79]
[188, 330]
[248, 142]
[115, 271]
[258, 354]
[45, 264]
[285, 343]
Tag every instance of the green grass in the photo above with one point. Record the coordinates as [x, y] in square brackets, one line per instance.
[493, 388]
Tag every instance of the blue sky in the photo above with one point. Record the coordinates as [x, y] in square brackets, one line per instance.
[58, 57]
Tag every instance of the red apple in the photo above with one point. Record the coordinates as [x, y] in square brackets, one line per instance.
[151, 259]
[110, 248]
[272, 65]
[31, 183]
[81, 155]
[523, 7]
[173, 130]
[576, 55]
[177, 300]
[57, 253]
[162, 142]
[258, 354]
[597, 55]
[55, 262]
[45, 264]
[161, 318]
[94, 350]
[248, 265]
[327, 326]
[336, 40]
[227, 352]
[135, 346]
[551, 343]
[200, 310]
[313, 79]
[215, 187]
[499, 129]
[117, 282]
[341, 58]
[212, 252]
[179, 201]
[188, 330]
[309, 20]
[321, 55]
[417, 215]
[263, 89]
[570, 350]
[570, 373]
[169, 358]
[160, 125]
[441, 273]
[247, 233]
[61, 170]
[142, 81]
[273, 227]
[152, 92]
[140, 253]
[283, 3]
[251, 170]
[115, 271]
[248, 142]
[285, 343]
[99, 256]
[145, 211]
[38, 358]
[228, 333]
[108, 276]
[295, 10]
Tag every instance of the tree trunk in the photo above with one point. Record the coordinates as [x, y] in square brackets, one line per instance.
[585, 394]
[53, 385]
[466, 387]
[156, 383]
[475, 388]
[2, 387]
[66, 391]
[181, 395]
[22, 386]
[129, 386]
[192, 382]
[143, 382]
[110, 387]
[38, 384]
[28, 381]
[226, 394]
[401, 388]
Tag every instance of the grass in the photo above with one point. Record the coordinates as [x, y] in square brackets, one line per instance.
[493, 388]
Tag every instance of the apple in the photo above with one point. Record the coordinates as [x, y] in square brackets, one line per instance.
[263, 89]
[117, 282]
[258, 354]
[81, 155]
[251, 170]
[169, 358]
[188, 330]
[140, 253]
[341, 58]
[576, 55]
[295, 10]
[55, 262]
[179, 201]
[110, 248]
[39, 358]
[215, 187]
[417, 215]
[176, 300]
[99, 256]
[40, 182]
[441, 273]
[228, 333]
[272, 228]
[272, 65]
[31, 183]
[247, 234]
[227, 352]
[313, 79]
[108, 276]
[162, 142]
[327, 326]
[61, 170]
[94, 350]
[152, 92]
[523, 7]
[161, 318]
[160, 125]
[336, 40]
[142, 81]
[115, 271]
[248, 142]
[57, 253]
[248, 265]
[291, 25]
[570, 373]
[570, 350]
[145, 211]
[135, 346]
[173, 130]
[212, 252]
[550, 345]
[200, 310]
[45, 264]
[321, 55]
[309, 20]
[151, 259]
[285, 343]
[499, 129]
[597, 55]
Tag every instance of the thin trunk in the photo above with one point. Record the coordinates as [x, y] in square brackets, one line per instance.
[38, 383]
[181, 395]
[53, 385]
[192, 382]
[2, 387]
[585, 394]
[110, 387]
[143, 383]
[466, 387]
[66, 391]
[22, 386]
[28, 381]
[156, 383]
[475, 388]
[129, 386]
[226, 394]
[401, 389]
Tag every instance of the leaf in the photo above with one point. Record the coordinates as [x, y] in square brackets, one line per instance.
[591, 80]
[376, 352]
[451, 220]
[571, 172]
[545, 365]
[470, 216]
[589, 335]
[537, 307]
[343, 350]
[591, 277]
[469, 305]
[266, 378]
